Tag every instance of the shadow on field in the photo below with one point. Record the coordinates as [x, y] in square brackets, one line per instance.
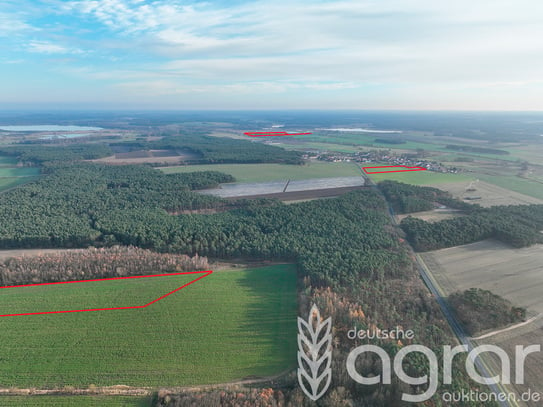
[271, 316]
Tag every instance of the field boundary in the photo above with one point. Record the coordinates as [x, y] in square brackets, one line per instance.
[206, 273]
[402, 168]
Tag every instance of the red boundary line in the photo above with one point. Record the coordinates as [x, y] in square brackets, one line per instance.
[272, 134]
[207, 273]
[406, 169]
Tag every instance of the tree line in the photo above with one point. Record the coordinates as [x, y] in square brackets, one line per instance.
[517, 225]
[39, 154]
[407, 198]
[94, 263]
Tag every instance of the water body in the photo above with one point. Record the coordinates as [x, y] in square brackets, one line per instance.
[49, 128]
[358, 130]
[63, 136]
[238, 190]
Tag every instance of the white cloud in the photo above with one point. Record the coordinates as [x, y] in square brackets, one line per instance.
[11, 24]
[169, 47]
[46, 47]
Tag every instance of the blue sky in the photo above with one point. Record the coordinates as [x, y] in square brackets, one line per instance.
[352, 54]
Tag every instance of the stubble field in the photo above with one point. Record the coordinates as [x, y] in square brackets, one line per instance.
[515, 274]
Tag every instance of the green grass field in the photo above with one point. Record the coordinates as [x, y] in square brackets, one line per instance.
[517, 184]
[11, 175]
[273, 172]
[19, 171]
[10, 182]
[71, 401]
[227, 326]
[419, 177]
[342, 148]
[7, 161]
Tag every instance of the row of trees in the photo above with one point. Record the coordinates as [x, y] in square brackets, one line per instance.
[226, 150]
[475, 149]
[38, 154]
[93, 263]
[407, 198]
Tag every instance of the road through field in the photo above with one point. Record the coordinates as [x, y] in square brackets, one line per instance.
[457, 329]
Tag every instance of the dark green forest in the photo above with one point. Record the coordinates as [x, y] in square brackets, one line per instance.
[479, 310]
[86, 204]
[214, 150]
[407, 198]
[473, 149]
[206, 150]
[39, 154]
[517, 225]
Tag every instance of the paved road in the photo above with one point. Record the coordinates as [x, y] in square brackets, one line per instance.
[457, 329]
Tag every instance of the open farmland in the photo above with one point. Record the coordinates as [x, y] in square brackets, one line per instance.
[418, 177]
[11, 175]
[274, 172]
[491, 195]
[184, 339]
[531, 334]
[80, 401]
[515, 274]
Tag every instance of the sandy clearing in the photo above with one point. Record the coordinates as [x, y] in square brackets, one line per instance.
[491, 195]
[435, 215]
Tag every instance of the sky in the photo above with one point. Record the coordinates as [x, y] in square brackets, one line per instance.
[234, 54]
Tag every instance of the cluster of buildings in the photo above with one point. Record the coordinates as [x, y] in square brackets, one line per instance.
[382, 156]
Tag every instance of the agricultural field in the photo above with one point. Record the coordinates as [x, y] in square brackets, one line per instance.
[527, 187]
[80, 401]
[184, 339]
[514, 274]
[10, 182]
[274, 172]
[11, 175]
[490, 194]
[530, 334]
[429, 178]
[308, 145]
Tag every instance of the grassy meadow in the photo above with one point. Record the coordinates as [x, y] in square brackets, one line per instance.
[11, 175]
[417, 177]
[274, 172]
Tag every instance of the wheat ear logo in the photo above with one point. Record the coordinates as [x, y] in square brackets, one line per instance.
[314, 354]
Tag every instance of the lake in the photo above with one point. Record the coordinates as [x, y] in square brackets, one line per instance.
[49, 128]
